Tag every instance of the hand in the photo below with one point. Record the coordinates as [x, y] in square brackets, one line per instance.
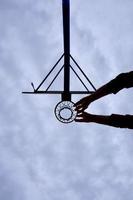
[83, 104]
[83, 117]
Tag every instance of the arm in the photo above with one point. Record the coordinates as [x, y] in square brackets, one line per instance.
[119, 121]
[124, 80]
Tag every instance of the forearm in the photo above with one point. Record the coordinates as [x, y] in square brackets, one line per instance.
[120, 121]
[100, 119]
[101, 92]
[124, 80]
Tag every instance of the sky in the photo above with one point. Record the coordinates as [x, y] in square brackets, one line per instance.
[41, 158]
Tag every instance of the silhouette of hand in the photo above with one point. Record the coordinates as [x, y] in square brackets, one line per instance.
[83, 117]
[83, 104]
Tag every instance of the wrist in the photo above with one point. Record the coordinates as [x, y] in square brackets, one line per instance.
[90, 118]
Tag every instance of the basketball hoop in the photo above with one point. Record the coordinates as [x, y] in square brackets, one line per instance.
[65, 112]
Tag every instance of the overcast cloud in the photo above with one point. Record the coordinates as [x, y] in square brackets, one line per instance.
[40, 158]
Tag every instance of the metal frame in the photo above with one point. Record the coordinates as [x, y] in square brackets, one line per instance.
[47, 91]
[66, 93]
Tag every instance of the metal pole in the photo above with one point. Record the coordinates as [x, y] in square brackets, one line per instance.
[66, 32]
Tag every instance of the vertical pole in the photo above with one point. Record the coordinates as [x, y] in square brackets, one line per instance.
[66, 33]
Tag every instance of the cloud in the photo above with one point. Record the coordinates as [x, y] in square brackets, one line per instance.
[40, 158]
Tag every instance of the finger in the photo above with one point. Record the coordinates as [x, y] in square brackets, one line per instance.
[78, 108]
[77, 103]
[79, 120]
[79, 114]
[80, 111]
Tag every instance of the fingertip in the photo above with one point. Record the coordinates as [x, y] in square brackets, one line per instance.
[79, 114]
[76, 104]
[77, 120]
[77, 109]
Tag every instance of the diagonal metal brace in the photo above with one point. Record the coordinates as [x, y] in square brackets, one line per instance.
[49, 73]
[83, 72]
[55, 78]
[79, 77]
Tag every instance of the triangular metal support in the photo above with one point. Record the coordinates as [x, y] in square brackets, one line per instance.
[47, 91]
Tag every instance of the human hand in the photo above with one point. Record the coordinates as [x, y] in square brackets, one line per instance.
[83, 117]
[83, 104]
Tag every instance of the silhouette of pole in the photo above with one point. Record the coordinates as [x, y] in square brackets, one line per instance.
[66, 33]
[66, 93]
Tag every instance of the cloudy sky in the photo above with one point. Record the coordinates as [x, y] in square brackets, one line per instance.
[41, 158]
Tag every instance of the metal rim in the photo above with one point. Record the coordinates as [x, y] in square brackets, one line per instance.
[62, 105]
